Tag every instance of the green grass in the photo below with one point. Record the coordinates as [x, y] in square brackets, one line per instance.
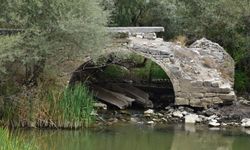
[77, 105]
[10, 142]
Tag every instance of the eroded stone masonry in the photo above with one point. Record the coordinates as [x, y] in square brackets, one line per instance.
[202, 74]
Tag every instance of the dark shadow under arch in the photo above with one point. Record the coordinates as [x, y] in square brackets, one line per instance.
[107, 72]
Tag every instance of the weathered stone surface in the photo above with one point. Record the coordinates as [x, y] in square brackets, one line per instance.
[197, 95]
[136, 29]
[149, 111]
[177, 114]
[214, 123]
[193, 81]
[181, 101]
[217, 100]
[245, 123]
[191, 118]
[196, 102]
[202, 74]
[229, 96]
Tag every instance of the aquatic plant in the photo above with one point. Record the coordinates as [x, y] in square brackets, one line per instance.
[76, 105]
[10, 142]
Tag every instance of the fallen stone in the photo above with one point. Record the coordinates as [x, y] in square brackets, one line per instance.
[224, 124]
[100, 106]
[149, 111]
[185, 113]
[160, 114]
[177, 114]
[213, 117]
[245, 122]
[214, 123]
[134, 120]
[150, 122]
[191, 118]
[210, 112]
[164, 119]
[243, 101]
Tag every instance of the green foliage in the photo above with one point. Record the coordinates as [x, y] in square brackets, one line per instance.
[242, 81]
[157, 72]
[128, 13]
[150, 71]
[11, 142]
[8, 51]
[77, 105]
[53, 29]
[114, 72]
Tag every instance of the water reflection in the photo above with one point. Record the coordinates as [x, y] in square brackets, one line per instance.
[141, 138]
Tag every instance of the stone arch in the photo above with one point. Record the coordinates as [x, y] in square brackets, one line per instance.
[79, 75]
[202, 74]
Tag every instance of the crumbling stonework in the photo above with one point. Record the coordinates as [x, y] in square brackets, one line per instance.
[202, 74]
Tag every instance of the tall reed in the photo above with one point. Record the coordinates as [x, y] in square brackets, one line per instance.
[76, 104]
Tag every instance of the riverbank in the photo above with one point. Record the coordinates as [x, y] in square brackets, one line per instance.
[235, 115]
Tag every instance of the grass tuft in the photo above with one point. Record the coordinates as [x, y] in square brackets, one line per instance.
[77, 105]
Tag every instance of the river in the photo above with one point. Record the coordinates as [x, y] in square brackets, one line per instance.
[140, 137]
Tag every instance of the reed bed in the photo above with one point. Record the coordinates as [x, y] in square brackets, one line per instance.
[77, 107]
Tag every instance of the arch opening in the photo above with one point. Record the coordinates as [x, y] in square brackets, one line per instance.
[126, 80]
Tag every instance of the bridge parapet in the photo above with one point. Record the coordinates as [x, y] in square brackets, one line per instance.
[136, 29]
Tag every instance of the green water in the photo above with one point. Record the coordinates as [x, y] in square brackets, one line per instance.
[132, 137]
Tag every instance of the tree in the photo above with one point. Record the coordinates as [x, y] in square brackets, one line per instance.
[55, 29]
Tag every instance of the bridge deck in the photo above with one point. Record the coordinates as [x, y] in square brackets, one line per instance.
[136, 29]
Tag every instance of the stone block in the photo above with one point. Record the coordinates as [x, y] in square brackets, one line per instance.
[219, 90]
[225, 90]
[150, 36]
[227, 97]
[197, 95]
[181, 101]
[207, 100]
[210, 94]
[217, 100]
[215, 84]
[207, 83]
[197, 83]
[195, 102]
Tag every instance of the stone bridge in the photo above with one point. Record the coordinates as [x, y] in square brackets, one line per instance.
[202, 74]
